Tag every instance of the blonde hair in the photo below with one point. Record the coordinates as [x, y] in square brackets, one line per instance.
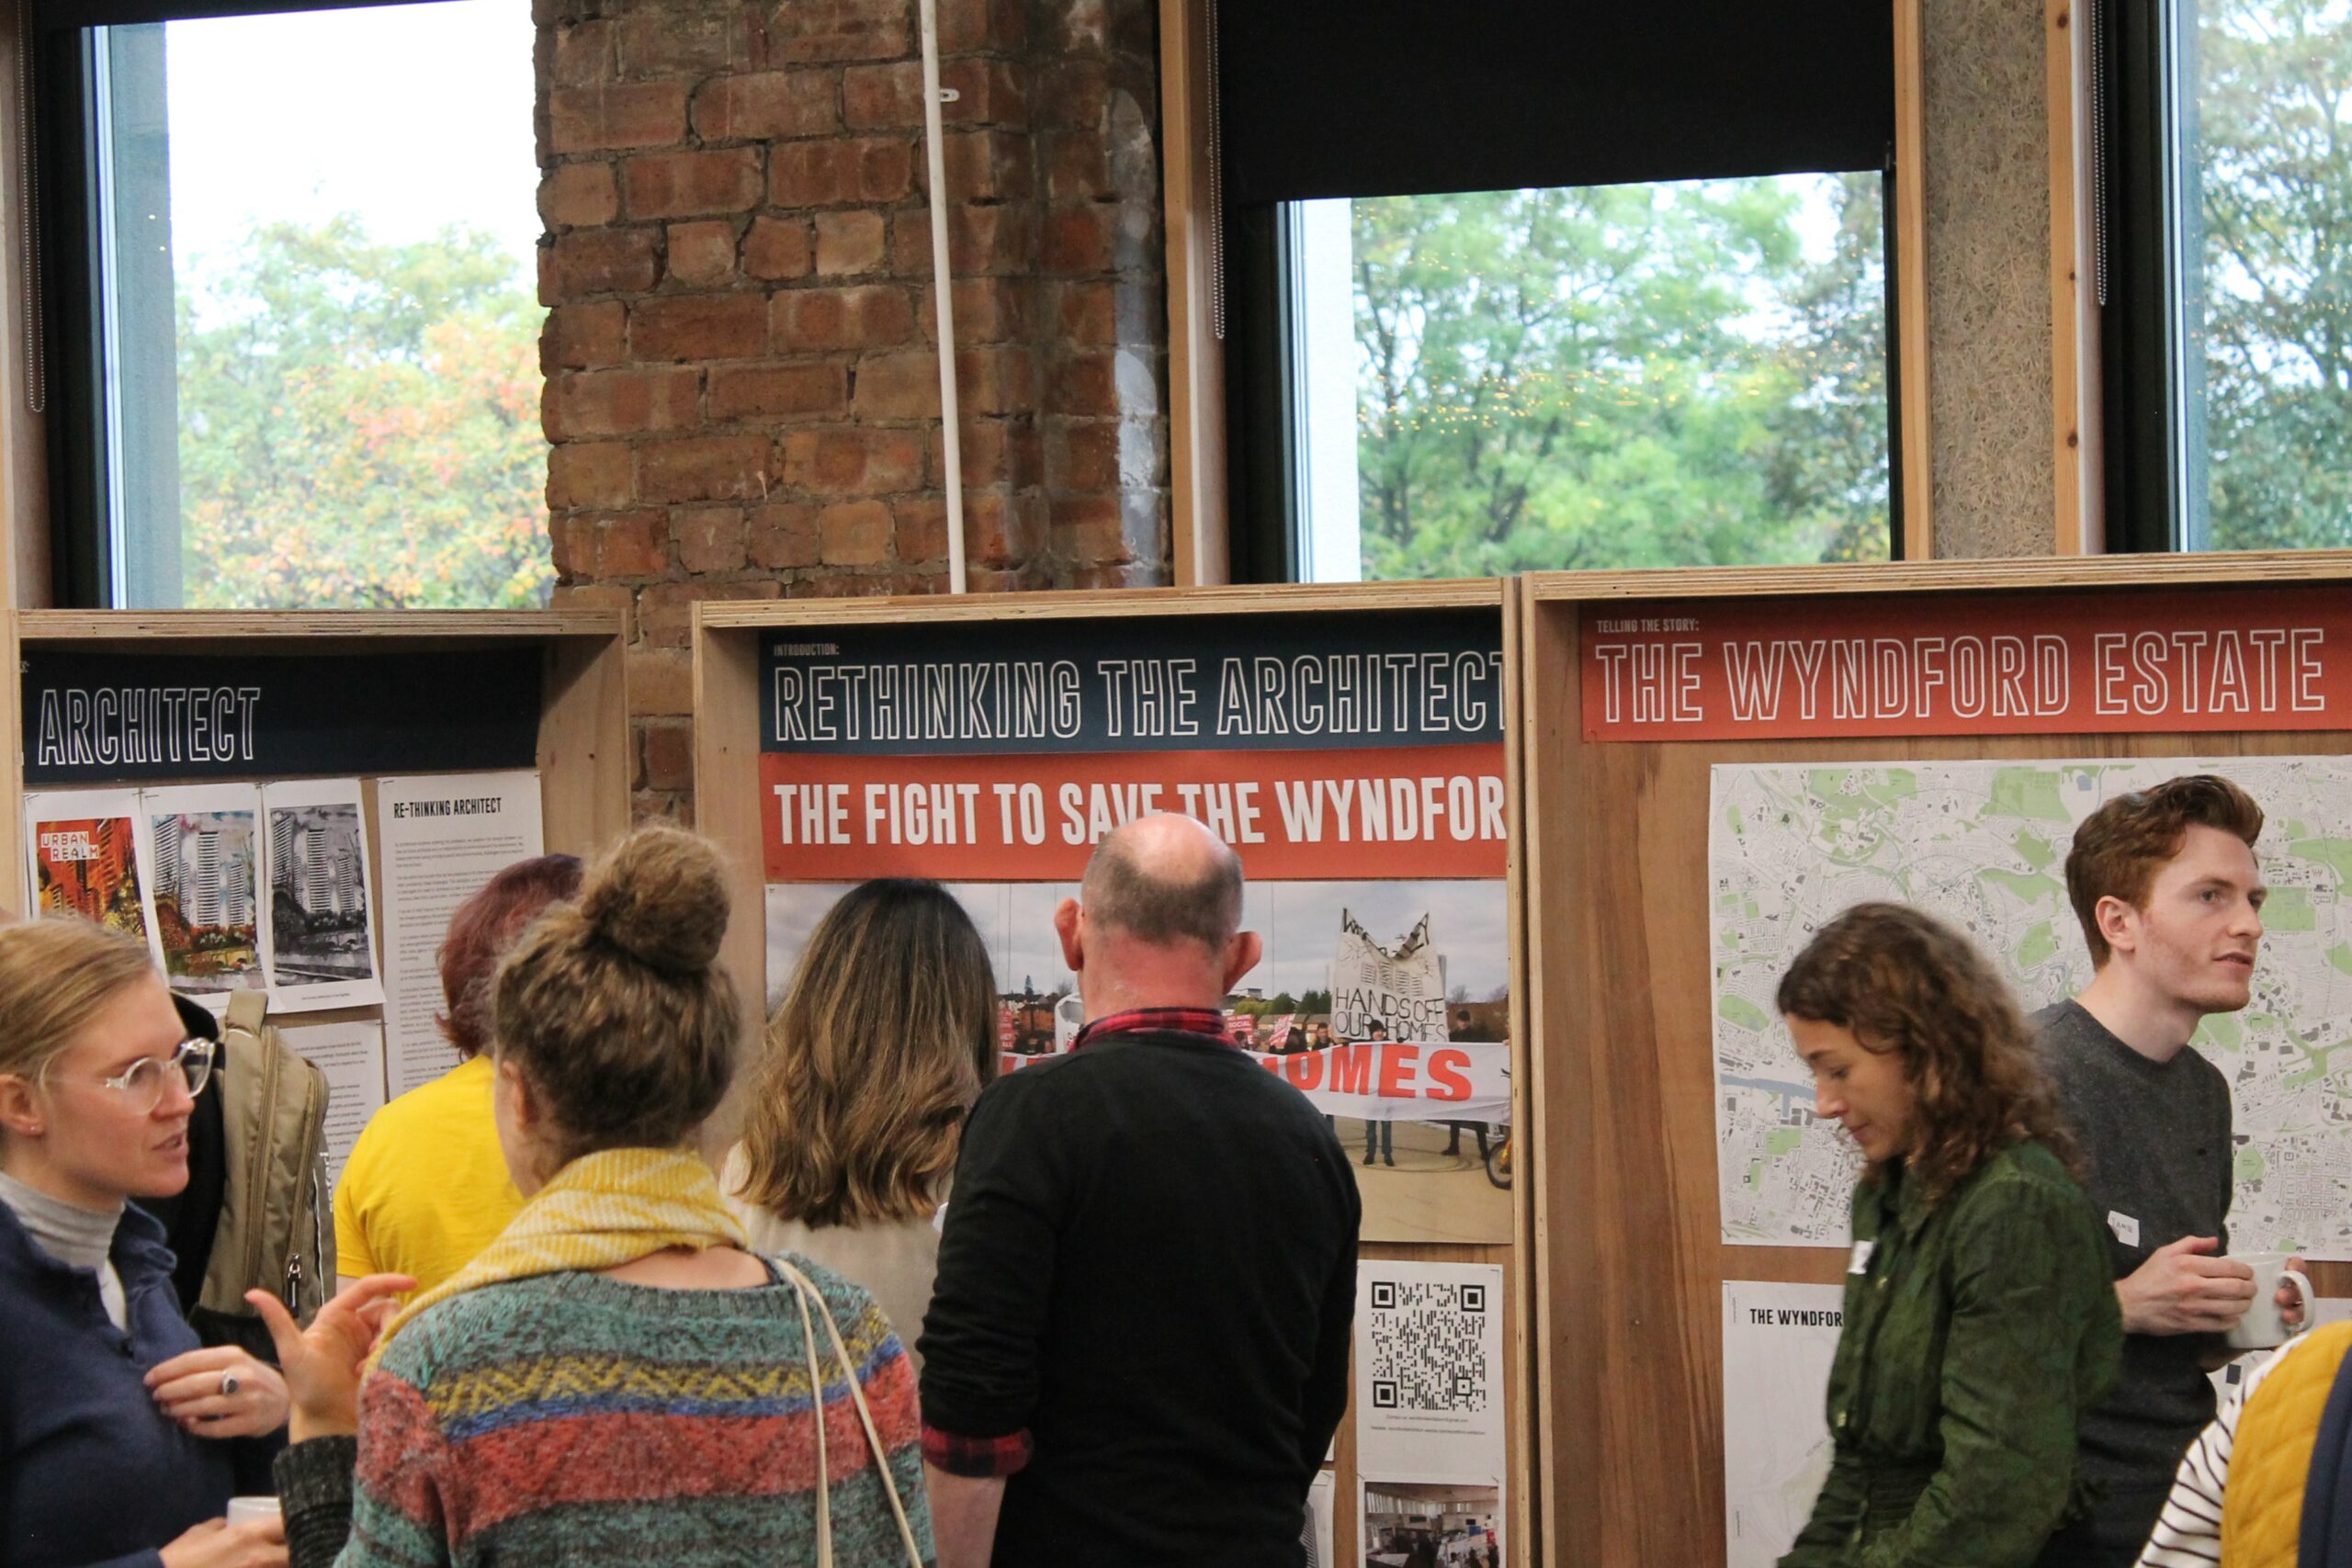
[881, 1045]
[56, 976]
[613, 1008]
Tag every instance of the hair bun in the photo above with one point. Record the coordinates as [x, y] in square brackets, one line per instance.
[660, 896]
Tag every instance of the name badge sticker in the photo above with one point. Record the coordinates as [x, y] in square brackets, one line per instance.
[2126, 1228]
[1861, 1263]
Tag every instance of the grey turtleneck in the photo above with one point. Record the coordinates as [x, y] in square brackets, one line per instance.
[76, 1237]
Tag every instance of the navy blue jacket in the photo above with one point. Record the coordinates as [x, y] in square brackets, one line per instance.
[91, 1473]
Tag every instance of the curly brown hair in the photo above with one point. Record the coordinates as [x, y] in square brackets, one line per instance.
[1906, 983]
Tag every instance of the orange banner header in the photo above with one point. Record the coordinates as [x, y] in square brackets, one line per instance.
[1969, 664]
[1407, 811]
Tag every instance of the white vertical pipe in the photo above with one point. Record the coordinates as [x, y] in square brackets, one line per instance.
[942, 288]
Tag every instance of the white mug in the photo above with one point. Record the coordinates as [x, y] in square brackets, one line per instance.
[2263, 1326]
[245, 1510]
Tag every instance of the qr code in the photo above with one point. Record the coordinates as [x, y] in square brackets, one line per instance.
[1429, 1345]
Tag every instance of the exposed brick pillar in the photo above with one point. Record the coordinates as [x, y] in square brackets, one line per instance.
[741, 350]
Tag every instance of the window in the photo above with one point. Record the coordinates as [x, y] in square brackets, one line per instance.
[1669, 374]
[293, 332]
[2228, 302]
[1525, 286]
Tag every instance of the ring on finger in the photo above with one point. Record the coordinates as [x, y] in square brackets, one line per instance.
[229, 1384]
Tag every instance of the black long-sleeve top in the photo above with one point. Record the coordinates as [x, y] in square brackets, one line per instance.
[1145, 1289]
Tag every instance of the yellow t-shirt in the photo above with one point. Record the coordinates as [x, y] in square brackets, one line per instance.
[426, 1186]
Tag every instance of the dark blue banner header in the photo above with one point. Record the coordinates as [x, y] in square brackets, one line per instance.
[107, 718]
[1304, 681]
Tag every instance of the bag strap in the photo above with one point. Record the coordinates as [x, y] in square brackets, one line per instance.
[247, 1011]
[804, 1291]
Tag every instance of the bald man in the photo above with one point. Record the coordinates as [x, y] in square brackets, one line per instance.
[1136, 1349]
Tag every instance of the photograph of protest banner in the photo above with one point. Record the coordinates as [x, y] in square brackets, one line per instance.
[1401, 1038]
[83, 858]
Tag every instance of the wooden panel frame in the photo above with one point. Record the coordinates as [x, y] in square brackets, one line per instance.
[725, 697]
[584, 748]
[2077, 442]
[1628, 1252]
[1914, 466]
[1196, 439]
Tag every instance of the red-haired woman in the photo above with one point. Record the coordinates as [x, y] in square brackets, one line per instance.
[426, 1186]
[1980, 1314]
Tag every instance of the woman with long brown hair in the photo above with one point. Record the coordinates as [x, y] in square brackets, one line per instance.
[884, 1038]
[1980, 1315]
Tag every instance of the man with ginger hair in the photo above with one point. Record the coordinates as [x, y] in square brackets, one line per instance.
[1136, 1349]
[2169, 895]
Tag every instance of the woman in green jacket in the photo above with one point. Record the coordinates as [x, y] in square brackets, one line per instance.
[1980, 1314]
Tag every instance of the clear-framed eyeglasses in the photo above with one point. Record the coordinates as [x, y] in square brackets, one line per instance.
[141, 1084]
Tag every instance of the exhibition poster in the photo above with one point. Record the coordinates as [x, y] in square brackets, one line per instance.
[201, 846]
[1779, 1341]
[1428, 1371]
[317, 933]
[2184, 661]
[82, 858]
[1353, 760]
[351, 1054]
[442, 836]
[1983, 845]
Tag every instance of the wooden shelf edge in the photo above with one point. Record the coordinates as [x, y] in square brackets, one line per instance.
[64, 626]
[1472, 592]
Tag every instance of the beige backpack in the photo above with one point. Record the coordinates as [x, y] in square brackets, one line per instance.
[276, 1233]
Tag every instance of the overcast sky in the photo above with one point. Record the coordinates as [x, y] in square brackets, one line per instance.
[412, 116]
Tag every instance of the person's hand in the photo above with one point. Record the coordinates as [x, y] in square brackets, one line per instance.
[256, 1543]
[2180, 1291]
[2291, 1301]
[220, 1392]
[321, 1362]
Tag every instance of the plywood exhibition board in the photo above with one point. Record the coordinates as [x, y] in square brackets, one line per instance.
[307, 794]
[1715, 761]
[1353, 743]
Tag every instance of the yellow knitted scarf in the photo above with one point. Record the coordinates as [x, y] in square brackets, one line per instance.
[600, 1212]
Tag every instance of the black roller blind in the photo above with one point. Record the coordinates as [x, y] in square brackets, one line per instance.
[55, 15]
[1398, 98]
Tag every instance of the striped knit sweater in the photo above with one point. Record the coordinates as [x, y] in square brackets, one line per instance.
[573, 1418]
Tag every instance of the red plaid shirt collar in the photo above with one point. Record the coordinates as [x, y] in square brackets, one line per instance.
[1156, 1021]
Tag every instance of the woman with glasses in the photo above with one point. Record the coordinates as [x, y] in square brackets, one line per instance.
[121, 1441]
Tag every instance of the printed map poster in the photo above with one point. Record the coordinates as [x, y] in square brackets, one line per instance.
[318, 938]
[1779, 1341]
[82, 858]
[1353, 760]
[1983, 845]
[200, 843]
